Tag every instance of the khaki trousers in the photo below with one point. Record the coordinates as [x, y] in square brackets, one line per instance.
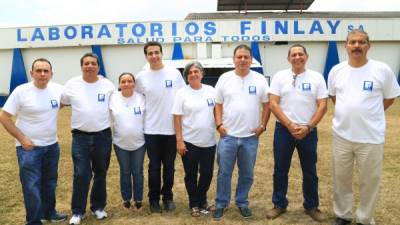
[368, 159]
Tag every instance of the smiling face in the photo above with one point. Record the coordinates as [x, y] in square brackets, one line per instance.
[154, 56]
[242, 60]
[90, 68]
[298, 58]
[194, 76]
[126, 83]
[41, 74]
[357, 46]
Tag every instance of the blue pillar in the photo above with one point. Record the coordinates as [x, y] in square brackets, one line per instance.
[18, 73]
[96, 49]
[177, 52]
[255, 51]
[398, 78]
[332, 58]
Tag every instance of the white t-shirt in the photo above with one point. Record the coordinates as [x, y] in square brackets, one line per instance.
[359, 113]
[299, 103]
[128, 118]
[36, 111]
[197, 110]
[89, 102]
[241, 99]
[159, 88]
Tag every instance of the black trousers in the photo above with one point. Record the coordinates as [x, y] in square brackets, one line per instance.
[161, 150]
[198, 160]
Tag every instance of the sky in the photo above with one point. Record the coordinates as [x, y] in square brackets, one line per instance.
[15, 13]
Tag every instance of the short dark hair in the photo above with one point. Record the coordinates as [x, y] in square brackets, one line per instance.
[151, 43]
[357, 31]
[242, 46]
[295, 46]
[125, 73]
[190, 65]
[41, 60]
[90, 54]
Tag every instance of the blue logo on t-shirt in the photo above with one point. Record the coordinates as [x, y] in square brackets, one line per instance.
[210, 102]
[252, 90]
[137, 111]
[306, 86]
[54, 103]
[101, 97]
[168, 83]
[368, 85]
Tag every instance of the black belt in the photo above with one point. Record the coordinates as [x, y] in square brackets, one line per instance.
[76, 131]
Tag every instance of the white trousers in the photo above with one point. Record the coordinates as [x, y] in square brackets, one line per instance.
[368, 159]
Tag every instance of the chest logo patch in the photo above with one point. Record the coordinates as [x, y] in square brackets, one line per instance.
[368, 86]
[101, 97]
[54, 103]
[168, 83]
[252, 90]
[306, 86]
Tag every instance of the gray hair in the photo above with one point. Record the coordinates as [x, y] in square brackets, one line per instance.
[190, 65]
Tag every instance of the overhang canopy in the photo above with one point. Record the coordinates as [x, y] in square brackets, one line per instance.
[238, 5]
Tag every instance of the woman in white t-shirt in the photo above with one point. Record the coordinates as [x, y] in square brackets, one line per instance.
[193, 112]
[127, 109]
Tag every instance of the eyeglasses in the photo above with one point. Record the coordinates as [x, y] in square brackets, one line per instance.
[294, 80]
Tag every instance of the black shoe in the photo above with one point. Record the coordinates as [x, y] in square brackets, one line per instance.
[340, 221]
[218, 214]
[169, 205]
[57, 217]
[359, 223]
[138, 205]
[245, 212]
[155, 207]
[127, 204]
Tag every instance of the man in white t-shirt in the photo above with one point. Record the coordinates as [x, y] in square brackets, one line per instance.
[89, 97]
[298, 99]
[240, 94]
[159, 84]
[361, 89]
[36, 105]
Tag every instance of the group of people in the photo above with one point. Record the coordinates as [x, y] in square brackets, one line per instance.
[156, 112]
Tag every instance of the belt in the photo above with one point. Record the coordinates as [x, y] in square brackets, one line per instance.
[76, 131]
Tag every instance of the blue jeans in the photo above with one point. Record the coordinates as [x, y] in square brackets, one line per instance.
[284, 145]
[161, 149]
[131, 172]
[228, 150]
[38, 172]
[91, 153]
[198, 163]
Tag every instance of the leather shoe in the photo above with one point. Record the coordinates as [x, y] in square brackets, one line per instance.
[315, 214]
[340, 221]
[275, 212]
[169, 205]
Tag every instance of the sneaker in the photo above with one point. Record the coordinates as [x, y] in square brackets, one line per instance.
[275, 212]
[126, 204]
[76, 219]
[100, 214]
[218, 214]
[57, 217]
[315, 214]
[340, 221]
[169, 205]
[155, 207]
[245, 212]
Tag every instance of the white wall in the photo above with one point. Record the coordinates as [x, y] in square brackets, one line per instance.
[65, 61]
[5, 70]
